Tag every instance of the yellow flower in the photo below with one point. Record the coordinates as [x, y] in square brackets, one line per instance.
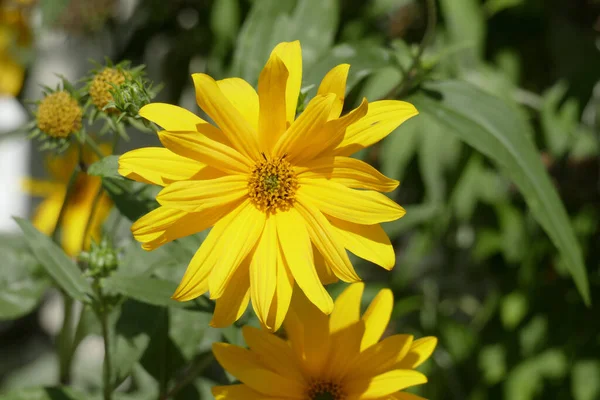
[100, 87]
[338, 357]
[79, 205]
[279, 191]
[59, 115]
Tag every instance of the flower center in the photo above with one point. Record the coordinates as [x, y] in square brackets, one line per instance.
[272, 185]
[325, 390]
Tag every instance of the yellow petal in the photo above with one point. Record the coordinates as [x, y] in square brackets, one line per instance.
[325, 240]
[199, 147]
[239, 239]
[358, 206]
[41, 188]
[310, 340]
[346, 310]
[377, 317]
[324, 270]
[347, 171]
[234, 301]
[283, 292]
[263, 271]
[380, 357]
[199, 196]
[344, 348]
[243, 97]
[335, 82]
[366, 241]
[271, 91]
[195, 280]
[330, 135]
[170, 117]
[297, 250]
[291, 55]
[76, 216]
[247, 367]
[382, 118]
[405, 396]
[46, 215]
[384, 384]
[157, 165]
[274, 352]
[310, 122]
[236, 392]
[233, 125]
[164, 224]
[420, 351]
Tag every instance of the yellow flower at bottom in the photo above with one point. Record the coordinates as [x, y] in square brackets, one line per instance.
[284, 199]
[339, 357]
[79, 205]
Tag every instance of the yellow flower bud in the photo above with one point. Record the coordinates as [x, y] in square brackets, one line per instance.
[101, 86]
[59, 115]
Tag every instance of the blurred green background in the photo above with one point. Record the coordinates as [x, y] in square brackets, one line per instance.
[474, 266]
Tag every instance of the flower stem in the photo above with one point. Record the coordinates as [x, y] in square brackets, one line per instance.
[107, 366]
[65, 340]
[94, 146]
[407, 82]
[63, 208]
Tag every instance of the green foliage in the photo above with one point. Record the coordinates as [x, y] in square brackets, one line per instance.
[56, 263]
[499, 178]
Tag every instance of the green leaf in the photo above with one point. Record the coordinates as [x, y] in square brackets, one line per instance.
[465, 24]
[492, 361]
[498, 131]
[495, 6]
[64, 271]
[364, 58]
[133, 199]
[584, 383]
[134, 327]
[254, 40]
[313, 22]
[50, 393]
[108, 167]
[22, 282]
[153, 291]
[225, 19]
[559, 123]
[513, 309]
[398, 149]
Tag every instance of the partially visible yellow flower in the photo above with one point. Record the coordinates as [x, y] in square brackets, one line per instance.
[100, 87]
[79, 205]
[14, 34]
[59, 115]
[339, 357]
[284, 197]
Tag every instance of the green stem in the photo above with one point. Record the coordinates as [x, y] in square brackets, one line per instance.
[405, 85]
[107, 367]
[65, 340]
[88, 224]
[94, 146]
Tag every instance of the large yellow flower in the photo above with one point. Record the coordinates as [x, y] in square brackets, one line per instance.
[79, 205]
[280, 191]
[336, 358]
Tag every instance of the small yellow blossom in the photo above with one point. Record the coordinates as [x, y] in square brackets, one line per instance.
[339, 357]
[59, 115]
[283, 196]
[79, 205]
[101, 86]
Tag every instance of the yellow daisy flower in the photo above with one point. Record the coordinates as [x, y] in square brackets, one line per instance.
[338, 357]
[79, 205]
[278, 190]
